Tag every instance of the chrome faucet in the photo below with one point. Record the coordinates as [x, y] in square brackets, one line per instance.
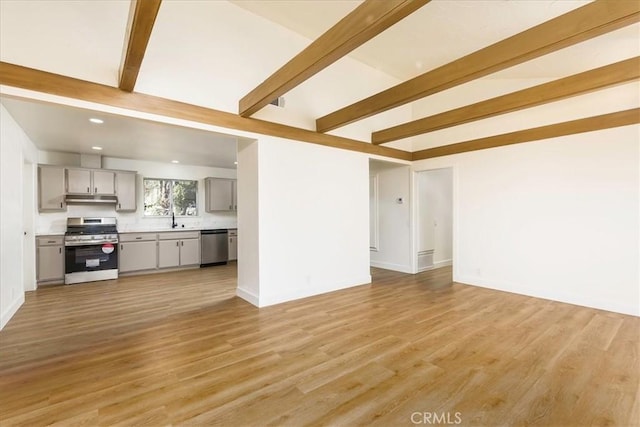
[174, 224]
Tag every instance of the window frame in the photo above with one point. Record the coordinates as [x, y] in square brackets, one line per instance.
[171, 204]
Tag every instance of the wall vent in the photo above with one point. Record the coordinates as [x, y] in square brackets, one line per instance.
[278, 102]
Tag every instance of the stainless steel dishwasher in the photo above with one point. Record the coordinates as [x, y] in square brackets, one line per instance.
[214, 247]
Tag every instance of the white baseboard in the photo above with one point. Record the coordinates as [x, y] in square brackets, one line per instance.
[614, 306]
[305, 293]
[437, 264]
[13, 308]
[443, 263]
[250, 297]
[393, 267]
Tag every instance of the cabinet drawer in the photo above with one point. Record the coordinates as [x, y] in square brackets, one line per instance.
[179, 235]
[137, 237]
[49, 240]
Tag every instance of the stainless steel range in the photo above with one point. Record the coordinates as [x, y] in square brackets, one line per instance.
[91, 250]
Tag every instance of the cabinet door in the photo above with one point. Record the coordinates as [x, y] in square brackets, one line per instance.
[190, 251]
[104, 182]
[234, 199]
[126, 191]
[233, 248]
[51, 189]
[168, 253]
[78, 181]
[50, 263]
[135, 256]
[219, 195]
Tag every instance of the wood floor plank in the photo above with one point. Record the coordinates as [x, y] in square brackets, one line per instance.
[182, 349]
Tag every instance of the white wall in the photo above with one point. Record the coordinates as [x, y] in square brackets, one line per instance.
[15, 148]
[248, 222]
[435, 214]
[313, 234]
[556, 219]
[394, 224]
[55, 222]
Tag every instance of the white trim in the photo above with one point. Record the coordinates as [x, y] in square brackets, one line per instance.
[304, 293]
[629, 308]
[436, 265]
[9, 313]
[443, 263]
[373, 246]
[248, 296]
[394, 267]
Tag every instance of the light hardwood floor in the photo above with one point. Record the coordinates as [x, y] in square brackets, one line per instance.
[180, 348]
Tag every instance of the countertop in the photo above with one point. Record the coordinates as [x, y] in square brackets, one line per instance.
[163, 230]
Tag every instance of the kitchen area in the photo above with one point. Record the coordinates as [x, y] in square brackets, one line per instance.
[96, 223]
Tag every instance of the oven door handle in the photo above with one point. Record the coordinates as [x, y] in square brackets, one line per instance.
[89, 243]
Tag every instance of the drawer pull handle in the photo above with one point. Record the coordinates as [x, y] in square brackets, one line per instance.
[138, 238]
[51, 241]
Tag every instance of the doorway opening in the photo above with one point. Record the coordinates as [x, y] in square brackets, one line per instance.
[434, 200]
[28, 232]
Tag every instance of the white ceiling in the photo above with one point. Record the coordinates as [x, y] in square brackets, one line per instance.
[54, 127]
[213, 52]
[441, 31]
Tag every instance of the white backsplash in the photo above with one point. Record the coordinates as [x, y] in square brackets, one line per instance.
[56, 222]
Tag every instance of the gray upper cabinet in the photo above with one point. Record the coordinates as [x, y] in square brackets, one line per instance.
[56, 182]
[51, 188]
[220, 194]
[104, 182]
[88, 181]
[126, 191]
[78, 181]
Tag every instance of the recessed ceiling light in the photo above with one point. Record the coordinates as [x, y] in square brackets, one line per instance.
[174, 161]
[235, 163]
[98, 121]
[95, 147]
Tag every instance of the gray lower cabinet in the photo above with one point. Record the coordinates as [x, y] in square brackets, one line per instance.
[49, 259]
[153, 251]
[168, 253]
[179, 248]
[233, 245]
[189, 251]
[138, 252]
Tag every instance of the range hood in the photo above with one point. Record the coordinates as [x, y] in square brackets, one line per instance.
[90, 199]
[93, 162]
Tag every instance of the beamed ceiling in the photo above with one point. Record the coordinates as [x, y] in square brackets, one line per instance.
[405, 79]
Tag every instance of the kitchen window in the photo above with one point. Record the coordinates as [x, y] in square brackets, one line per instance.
[162, 197]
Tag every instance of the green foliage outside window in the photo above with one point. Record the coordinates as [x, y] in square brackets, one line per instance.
[163, 196]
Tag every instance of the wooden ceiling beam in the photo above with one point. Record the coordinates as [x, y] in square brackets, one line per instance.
[55, 84]
[586, 22]
[142, 16]
[599, 78]
[589, 124]
[364, 23]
